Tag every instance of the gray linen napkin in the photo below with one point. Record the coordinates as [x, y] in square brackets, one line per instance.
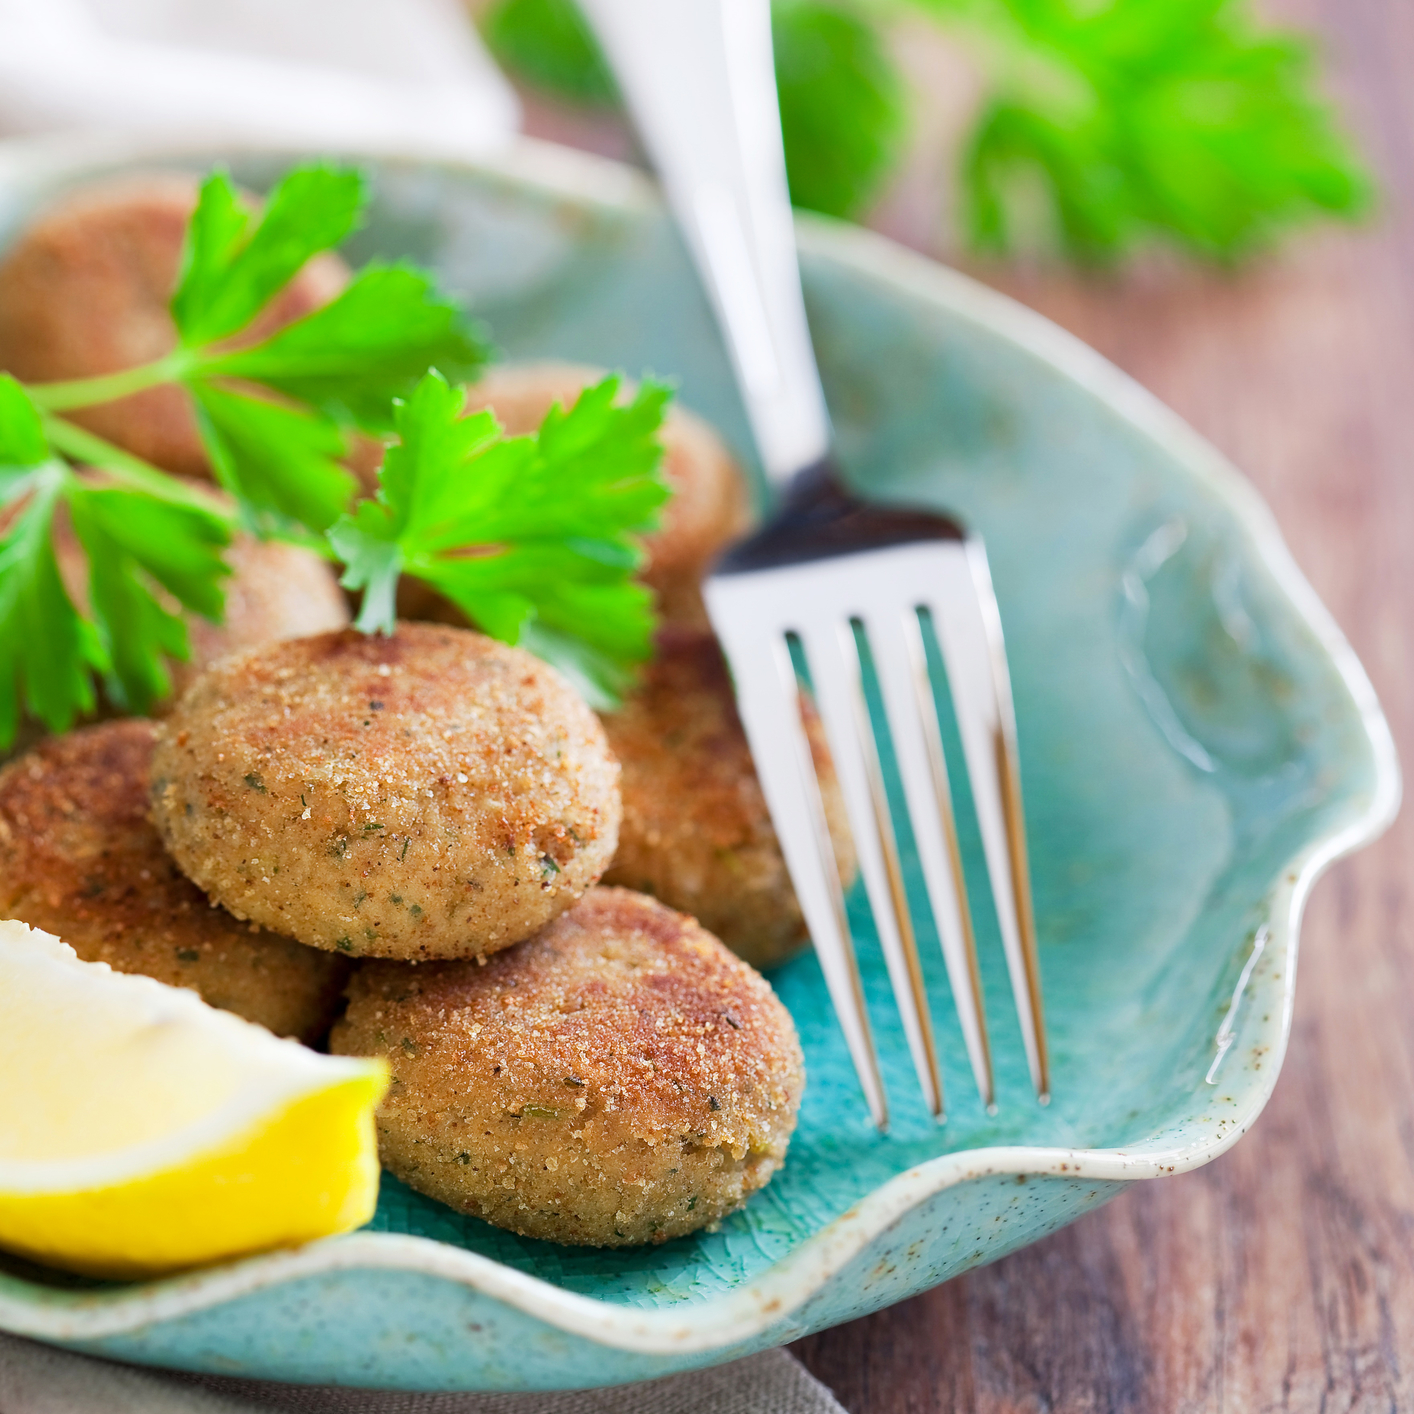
[38, 1379]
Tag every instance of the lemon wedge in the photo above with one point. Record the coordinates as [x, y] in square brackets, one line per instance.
[142, 1131]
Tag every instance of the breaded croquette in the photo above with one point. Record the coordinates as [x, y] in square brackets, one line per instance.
[276, 591]
[619, 1079]
[696, 832]
[80, 858]
[425, 795]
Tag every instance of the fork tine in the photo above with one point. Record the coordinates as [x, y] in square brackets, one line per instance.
[968, 625]
[835, 673]
[769, 705]
[897, 646]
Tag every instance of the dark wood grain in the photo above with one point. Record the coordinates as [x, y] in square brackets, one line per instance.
[1281, 1277]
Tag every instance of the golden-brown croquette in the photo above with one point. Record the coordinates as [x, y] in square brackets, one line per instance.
[710, 506]
[275, 591]
[429, 794]
[621, 1078]
[696, 832]
[84, 292]
[80, 858]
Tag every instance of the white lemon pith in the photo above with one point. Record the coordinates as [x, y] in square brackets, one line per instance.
[142, 1131]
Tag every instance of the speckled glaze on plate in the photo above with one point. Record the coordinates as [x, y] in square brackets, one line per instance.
[1198, 742]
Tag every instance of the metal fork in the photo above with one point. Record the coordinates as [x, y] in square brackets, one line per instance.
[830, 571]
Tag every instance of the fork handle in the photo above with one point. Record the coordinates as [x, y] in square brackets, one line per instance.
[699, 78]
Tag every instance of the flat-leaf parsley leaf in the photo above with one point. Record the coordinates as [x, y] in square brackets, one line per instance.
[234, 264]
[533, 538]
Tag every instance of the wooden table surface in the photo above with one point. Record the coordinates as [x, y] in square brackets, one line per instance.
[1282, 1275]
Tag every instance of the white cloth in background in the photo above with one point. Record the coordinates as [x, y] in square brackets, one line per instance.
[35, 1379]
[408, 75]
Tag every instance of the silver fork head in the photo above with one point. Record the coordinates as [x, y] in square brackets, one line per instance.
[880, 601]
[699, 78]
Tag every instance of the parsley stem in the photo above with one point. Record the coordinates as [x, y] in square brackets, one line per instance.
[95, 451]
[84, 392]
[122, 466]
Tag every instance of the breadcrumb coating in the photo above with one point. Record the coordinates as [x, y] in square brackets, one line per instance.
[619, 1079]
[80, 858]
[429, 794]
[696, 832]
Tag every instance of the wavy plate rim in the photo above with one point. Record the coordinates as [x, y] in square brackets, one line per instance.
[720, 1322]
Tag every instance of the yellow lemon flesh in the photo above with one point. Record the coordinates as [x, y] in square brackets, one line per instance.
[142, 1131]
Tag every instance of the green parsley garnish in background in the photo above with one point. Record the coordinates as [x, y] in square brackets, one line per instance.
[1105, 124]
[533, 537]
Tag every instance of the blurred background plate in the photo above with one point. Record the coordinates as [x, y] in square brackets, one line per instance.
[1197, 741]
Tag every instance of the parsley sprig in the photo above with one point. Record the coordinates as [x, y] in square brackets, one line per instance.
[337, 370]
[531, 537]
[534, 538]
[1103, 125]
[139, 541]
[1181, 118]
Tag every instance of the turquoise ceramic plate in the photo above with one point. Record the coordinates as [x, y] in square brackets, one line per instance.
[1198, 743]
